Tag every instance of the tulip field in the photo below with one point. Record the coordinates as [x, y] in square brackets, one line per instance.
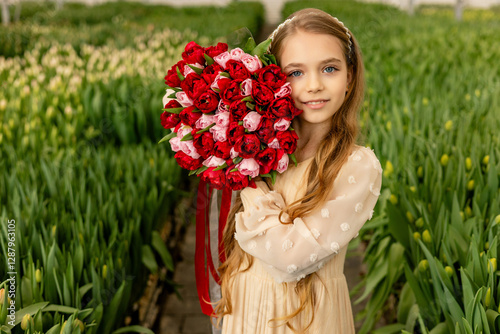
[432, 115]
[85, 189]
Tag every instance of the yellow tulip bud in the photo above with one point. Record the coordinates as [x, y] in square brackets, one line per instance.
[420, 171]
[54, 228]
[486, 245]
[444, 159]
[410, 217]
[470, 185]
[481, 254]
[477, 92]
[416, 236]
[413, 189]
[467, 97]
[104, 271]
[449, 270]
[492, 265]
[420, 222]
[423, 265]
[393, 199]
[486, 159]
[119, 262]
[426, 236]
[468, 211]
[468, 163]
[38, 276]
[445, 259]
[497, 219]
[487, 298]
[25, 321]
[389, 169]
[78, 323]
[388, 126]
[448, 125]
[425, 101]
[2, 295]
[462, 215]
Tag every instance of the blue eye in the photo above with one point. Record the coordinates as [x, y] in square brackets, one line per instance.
[295, 74]
[329, 69]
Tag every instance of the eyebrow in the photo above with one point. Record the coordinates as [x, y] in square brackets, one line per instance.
[326, 61]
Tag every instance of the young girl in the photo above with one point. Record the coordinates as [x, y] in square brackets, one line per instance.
[286, 243]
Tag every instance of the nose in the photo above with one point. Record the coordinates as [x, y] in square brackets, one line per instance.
[314, 83]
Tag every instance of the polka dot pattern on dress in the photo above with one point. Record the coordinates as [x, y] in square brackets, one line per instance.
[287, 244]
[351, 179]
[252, 245]
[358, 207]
[313, 257]
[345, 227]
[335, 247]
[325, 213]
[315, 233]
[268, 246]
[291, 268]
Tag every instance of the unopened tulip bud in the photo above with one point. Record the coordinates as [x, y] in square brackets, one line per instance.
[444, 159]
[486, 245]
[416, 236]
[492, 265]
[448, 125]
[104, 271]
[78, 323]
[486, 159]
[487, 298]
[38, 276]
[468, 211]
[468, 163]
[410, 217]
[470, 185]
[2, 295]
[389, 168]
[426, 236]
[420, 171]
[25, 321]
[420, 222]
[423, 265]
[449, 270]
[393, 199]
[497, 219]
[413, 189]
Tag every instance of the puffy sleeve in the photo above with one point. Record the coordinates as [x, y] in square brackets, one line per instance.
[292, 251]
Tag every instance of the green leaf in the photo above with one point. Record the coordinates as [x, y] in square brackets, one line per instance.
[221, 167]
[205, 129]
[208, 59]
[250, 106]
[292, 156]
[224, 74]
[111, 310]
[201, 170]
[187, 137]
[237, 160]
[441, 328]
[148, 259]
[31, 309]
[174, 110]
[390, 329]
[250, 45]
[233, 170]
[54, 330]
[197, 70]
[179, 74]
[159, 245]
[134, 329]
[260, 49]
[168, 137]
[248, 99]
[493, 320]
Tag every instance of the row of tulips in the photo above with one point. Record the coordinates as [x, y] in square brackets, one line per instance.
[88, 186]
[432, 115]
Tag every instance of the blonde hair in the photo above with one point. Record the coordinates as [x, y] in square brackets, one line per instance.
[332, 153]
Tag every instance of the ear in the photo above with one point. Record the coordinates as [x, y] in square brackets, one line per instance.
[349, 77]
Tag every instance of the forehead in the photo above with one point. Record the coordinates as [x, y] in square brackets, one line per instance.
[305, 47]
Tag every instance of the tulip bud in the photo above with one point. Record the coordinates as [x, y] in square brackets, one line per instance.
[486, 159]
[388, 126]
[54, 229]
[423, 265]
[426, 236]
[420, 172]
[448, 125]
[38, 276]
[389, 169]
[25, 321]
[470, 185]
[416, 236]
[497, 219]
[492, 265]
[449, 270]
[104, 271]
[410, 217]
[393, 199]
[486, 245]
[78, 323]
[2, 295]
[468, 163]
[445, 259]
[420, 222]
[468, 211]
[444, 159]
[487, 298]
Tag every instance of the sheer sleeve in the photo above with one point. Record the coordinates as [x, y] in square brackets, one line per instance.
[292, 251]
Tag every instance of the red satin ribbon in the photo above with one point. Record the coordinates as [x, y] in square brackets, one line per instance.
[204, 266]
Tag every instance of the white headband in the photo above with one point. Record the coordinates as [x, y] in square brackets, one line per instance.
[349, 45]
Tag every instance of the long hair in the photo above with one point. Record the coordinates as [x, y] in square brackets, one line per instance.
[332, 153]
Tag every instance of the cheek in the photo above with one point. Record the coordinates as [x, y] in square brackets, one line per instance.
[295, 91]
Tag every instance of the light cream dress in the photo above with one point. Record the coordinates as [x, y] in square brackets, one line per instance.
[313, 244]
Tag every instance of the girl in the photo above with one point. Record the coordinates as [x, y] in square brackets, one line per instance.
[286, 243]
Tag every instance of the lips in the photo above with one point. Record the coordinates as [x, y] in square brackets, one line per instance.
[315, 104]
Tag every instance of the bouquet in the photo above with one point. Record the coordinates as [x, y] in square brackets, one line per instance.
[230, 113]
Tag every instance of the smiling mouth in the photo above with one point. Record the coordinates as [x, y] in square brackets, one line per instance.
[316, 102]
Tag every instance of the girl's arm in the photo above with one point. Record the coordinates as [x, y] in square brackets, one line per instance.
[291, 251]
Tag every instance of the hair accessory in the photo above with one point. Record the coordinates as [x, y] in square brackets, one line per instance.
[349, 45]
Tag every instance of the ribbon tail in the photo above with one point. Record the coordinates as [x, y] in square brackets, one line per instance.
[224, 212]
